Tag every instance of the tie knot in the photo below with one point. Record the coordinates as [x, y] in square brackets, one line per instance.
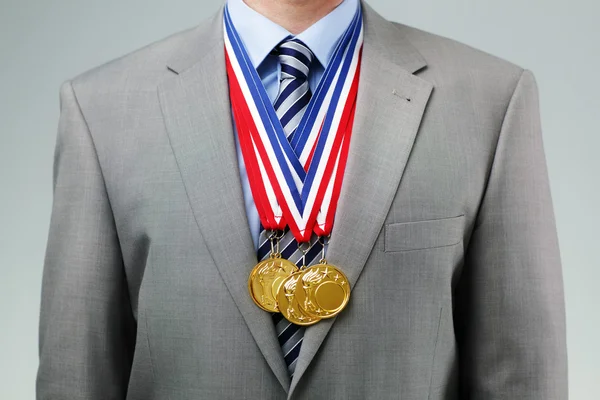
[295, 58]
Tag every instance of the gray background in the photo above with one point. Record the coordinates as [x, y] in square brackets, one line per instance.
[43, 43]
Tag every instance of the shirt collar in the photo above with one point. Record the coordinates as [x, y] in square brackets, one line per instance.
[322, 37]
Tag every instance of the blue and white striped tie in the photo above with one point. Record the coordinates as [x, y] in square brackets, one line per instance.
[294, 90]
[293, 98]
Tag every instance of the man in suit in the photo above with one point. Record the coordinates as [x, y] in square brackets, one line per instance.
[444, 227]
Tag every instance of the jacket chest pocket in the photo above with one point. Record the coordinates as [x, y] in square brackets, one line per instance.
[424, 234]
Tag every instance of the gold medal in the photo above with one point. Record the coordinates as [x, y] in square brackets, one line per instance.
[266, 278]
[323, 290]
[288, 302]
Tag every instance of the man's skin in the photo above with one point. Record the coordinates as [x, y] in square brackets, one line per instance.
[294, 15]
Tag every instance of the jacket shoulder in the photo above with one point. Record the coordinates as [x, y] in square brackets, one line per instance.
[139, 69]
[449, 59]
[464, 74]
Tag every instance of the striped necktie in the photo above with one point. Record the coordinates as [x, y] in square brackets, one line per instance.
[294, 95]
[293, 98]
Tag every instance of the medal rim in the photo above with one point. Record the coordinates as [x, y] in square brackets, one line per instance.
[347, 291]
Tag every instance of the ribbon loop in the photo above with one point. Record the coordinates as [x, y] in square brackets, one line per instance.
[297, 183]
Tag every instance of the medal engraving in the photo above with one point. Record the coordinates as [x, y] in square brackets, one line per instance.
[265, 280]
[288, 302]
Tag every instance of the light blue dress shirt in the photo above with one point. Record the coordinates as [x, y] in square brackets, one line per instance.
[259, 36]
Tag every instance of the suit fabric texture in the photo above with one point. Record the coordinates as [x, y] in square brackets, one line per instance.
[445, 229]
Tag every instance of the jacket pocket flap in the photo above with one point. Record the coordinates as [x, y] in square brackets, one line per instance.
[423, 234]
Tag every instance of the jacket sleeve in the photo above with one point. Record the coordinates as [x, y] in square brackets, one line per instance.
[509, 311]
[86, 326]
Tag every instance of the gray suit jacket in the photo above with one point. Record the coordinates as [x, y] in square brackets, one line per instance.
[445, 229]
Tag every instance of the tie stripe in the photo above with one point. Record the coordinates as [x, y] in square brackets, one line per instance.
[283, 51]
[293, 98]
[294, 115]
[294, 64]
[298, 46]
[288, 87]
[294, 95]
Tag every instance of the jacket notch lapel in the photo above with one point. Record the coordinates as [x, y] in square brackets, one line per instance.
[197, 114]
[390, 105]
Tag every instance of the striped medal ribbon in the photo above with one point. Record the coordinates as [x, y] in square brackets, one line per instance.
[296, 184]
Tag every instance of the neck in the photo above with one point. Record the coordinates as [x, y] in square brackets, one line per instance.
[294, 15]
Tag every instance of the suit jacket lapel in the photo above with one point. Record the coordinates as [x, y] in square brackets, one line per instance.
[391, 102]
[196, 109]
